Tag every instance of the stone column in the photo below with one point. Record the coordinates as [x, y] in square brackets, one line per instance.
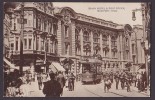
[81, 41]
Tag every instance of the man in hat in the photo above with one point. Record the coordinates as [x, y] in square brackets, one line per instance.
[61, 80]
[52, 88]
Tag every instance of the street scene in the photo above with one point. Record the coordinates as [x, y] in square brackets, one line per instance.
[57, 49]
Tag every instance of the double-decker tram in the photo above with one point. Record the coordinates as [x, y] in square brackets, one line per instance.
[91, 73]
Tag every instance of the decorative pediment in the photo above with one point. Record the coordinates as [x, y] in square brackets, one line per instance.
[114, 49]
[87, 47]
[106, 48]
[97, 47]
[53, 37]
[44, 35]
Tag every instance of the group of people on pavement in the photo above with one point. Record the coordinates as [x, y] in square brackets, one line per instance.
[54, 83]
[125, 79]
[16, 85]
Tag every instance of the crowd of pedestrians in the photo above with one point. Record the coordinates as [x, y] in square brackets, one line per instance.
[125, 79]
[16, 85]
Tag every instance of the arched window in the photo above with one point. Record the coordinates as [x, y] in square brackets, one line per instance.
[86, 36]
[96, 38]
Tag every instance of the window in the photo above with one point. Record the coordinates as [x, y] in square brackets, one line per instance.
[134, 59]
[86, 36]
[45, 26]
[113, 42]
[51, 49]
[47, 46]
[30, 43]
[37, 43]
[104, 40]
[78, 51]
[127, 42]
[12, 46]
[114, 54]
[133, 48]
[76, 35]
[54, 29]
[51, 28]
[127, 55]
[66, 31]
[106, 53]
[14, 26]
[42, 44]
[25, 43]
[96, 38]
[66, 49]
[16, 43]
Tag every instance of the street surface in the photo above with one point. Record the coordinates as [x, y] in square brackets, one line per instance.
[90, 90]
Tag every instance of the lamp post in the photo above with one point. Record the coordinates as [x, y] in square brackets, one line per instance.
[144, 44]
[21, 38]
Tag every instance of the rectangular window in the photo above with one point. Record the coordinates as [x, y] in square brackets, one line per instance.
[66, 49]
[42, 45]
[12, 46]
[25, 43]
[19, 21]
[16, 43]
[51, 28]
[47, 46]
[30, 43]
[37, 43]
[52, 47]
[66, 31]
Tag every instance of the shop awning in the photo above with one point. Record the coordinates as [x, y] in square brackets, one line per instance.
[10, 64]
[58, 66]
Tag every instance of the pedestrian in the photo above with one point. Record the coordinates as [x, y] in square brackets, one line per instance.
[111, 77]
[71, 79]
[11, 90]
[52, 87]
[24, 90]
[134, 79]
[40, 79]
[128, 83]
[117, 80]
[139, 79]
[122, 79]
[107, 84]
[61, 80]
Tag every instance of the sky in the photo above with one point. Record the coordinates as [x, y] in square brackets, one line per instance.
[120, 13]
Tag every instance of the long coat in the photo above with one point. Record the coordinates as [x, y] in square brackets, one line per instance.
[52, 88]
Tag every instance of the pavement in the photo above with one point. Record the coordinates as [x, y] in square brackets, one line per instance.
[90, 91]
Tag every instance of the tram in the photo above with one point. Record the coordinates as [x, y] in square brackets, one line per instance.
[91, 73]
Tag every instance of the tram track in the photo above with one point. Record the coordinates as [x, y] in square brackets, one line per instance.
[88, 90]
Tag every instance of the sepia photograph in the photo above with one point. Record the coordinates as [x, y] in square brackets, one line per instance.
[76, 49]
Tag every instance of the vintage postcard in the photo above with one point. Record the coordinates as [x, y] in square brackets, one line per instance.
[76, 49]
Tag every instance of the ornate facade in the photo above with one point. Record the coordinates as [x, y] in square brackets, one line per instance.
[83, 38]
[74, 38]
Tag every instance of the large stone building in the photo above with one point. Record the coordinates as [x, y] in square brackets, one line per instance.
[70, 38]
[138, 53]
